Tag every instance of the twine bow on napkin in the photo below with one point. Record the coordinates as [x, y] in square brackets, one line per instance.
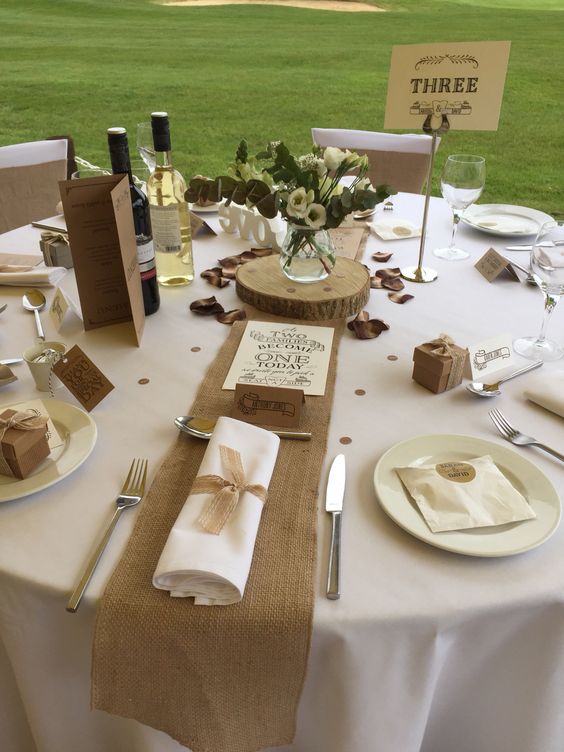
[226, 492]
[445, 347]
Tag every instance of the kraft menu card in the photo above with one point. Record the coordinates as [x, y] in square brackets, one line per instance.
[463, 81]
[102, 239]
[347, 240]
[285, 355]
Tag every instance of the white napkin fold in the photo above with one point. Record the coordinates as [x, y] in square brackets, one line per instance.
[214, 568]
[395, 229]
[548, 392]
[36, 276]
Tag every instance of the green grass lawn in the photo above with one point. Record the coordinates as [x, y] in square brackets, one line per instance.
[269, 72]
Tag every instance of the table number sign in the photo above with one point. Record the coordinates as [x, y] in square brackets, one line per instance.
[463, 81]
[492, 264]
[102, 238]
[290, 356]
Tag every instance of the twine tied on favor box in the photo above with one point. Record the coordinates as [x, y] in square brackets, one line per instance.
[226, 492]
[445, 346]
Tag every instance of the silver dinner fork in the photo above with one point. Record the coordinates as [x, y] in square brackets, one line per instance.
[131, 494]
[516, 437]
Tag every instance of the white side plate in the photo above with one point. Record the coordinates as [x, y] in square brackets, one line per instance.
[505, 220]
[500, 540]
[78, 431]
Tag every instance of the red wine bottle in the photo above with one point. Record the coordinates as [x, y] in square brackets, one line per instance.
[119, 156]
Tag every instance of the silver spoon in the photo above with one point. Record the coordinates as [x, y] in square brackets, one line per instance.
[492, 390]
[202, 428]
[34, 300]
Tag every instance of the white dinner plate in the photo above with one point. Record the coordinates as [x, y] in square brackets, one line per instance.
[203, 209]
[499, 540]
[78, 431]
[505, 220]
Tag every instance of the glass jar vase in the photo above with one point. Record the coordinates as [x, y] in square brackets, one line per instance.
[307, 255]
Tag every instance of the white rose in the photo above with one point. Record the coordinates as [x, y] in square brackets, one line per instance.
[321, 168]
[316, 216]
[298, 202]
[332, 157]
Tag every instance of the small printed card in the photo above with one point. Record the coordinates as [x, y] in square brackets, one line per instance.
[292, 356]
[347, 241]
[492, 264]
[269, 405]
[197, 226]
[82, 378]
[61, 304]
[490, 356]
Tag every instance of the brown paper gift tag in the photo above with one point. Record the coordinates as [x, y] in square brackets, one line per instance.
[82, 378]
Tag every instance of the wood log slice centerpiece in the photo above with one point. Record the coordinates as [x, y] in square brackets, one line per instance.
[262, 284]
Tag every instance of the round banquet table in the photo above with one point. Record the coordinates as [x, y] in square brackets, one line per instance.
[426, 651]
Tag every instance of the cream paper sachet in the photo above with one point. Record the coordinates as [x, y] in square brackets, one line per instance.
[466, 494]
[394, 229]
[548, 392]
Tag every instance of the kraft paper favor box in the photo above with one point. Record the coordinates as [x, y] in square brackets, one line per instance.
[56, 251]
[433, 364]
[23, 450]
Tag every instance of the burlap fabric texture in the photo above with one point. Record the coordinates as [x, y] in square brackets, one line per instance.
[219, 678]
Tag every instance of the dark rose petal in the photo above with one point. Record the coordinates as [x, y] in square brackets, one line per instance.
[260, 252]
[228, 317]
[389, 272]
[247, 256]
[395, 297]
[229, 272]
[375, 283]
[383, 256]
[206, 306]
[220, 282]
[393, 283]
[229, 261]
[365, 328]
[217, 271]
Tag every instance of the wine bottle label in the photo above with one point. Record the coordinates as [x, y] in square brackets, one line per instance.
[148, 273]
[166, 228]
[145, 252]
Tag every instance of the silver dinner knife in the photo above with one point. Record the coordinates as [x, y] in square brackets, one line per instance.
[334, 504]
[542, 244]
[11, 361]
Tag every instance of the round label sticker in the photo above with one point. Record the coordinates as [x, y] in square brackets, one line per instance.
[458, 472]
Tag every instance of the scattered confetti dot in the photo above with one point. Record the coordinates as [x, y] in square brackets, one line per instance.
[327, 289]
[340, 275]
[345, 440]
[360, 392]
[143, 381]
[195, 349]
[392, 357]
[290, 289]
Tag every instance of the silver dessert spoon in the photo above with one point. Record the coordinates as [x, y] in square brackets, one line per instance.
[493, 390]
[34, 300]
[202, 428]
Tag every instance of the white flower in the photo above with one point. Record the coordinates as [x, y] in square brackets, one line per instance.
[316, 216]
[321, 168]
[298, 202]
[364, 184]
[332, 157]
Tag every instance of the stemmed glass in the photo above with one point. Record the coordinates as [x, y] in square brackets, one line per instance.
[462, 182]
[145, 145]
[547, 267]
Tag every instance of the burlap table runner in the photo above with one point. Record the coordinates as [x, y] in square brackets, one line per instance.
[218, 678]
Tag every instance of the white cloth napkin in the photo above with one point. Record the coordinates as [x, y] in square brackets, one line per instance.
[36, 276]
[394, 229]
[214, 568]
[548, 392]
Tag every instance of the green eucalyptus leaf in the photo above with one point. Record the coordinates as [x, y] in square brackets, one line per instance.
[239, 194]
[268, 206]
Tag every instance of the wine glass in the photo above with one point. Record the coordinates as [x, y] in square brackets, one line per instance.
[547, 267]
[145, 145]
[462, 182]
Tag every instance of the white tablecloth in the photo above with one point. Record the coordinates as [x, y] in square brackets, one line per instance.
[425, 651]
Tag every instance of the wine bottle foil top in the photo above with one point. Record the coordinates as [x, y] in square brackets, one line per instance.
[161, 131]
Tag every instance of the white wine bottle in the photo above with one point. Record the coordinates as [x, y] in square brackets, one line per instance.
[170, 216]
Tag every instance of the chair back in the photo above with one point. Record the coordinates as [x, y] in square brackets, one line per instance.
[29, 181]
[398, 160]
